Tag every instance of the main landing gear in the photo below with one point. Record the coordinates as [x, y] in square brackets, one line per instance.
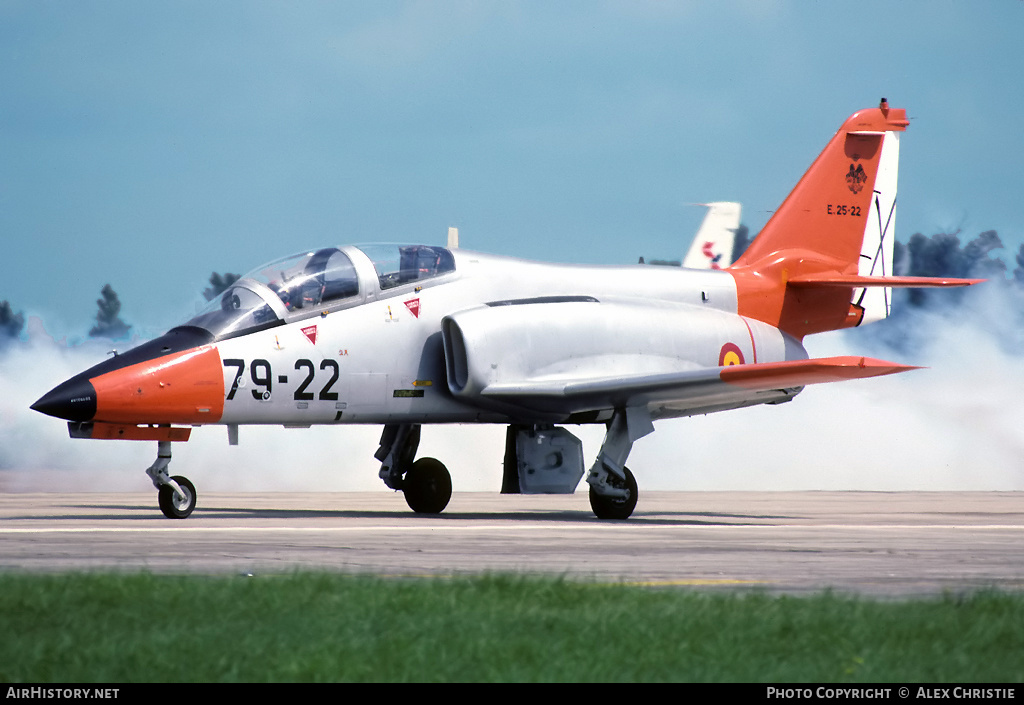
[613, 489]
[618, 506]
[538, 460]
[176, 495]
[426, 482]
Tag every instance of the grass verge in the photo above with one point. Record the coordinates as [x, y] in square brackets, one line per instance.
[130, 628]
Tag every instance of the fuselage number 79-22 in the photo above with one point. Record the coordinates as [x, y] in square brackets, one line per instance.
[262, 377]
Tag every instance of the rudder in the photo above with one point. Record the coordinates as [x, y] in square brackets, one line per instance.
[876, 252]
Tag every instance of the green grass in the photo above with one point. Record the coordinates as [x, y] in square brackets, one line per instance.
[329, 627]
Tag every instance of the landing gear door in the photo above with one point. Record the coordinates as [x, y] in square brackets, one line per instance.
[550, 461]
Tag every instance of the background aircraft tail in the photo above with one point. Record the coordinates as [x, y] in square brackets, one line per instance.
[713, 243]
[824, 259]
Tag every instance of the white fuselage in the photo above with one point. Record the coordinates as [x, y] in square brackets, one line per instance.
[379, 357]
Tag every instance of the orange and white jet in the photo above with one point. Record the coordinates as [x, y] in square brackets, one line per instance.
[407, 335]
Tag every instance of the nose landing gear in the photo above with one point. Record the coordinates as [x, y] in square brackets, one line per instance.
[176, 495]
[177, 503]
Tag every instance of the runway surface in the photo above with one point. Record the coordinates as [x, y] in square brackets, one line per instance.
[873, 544]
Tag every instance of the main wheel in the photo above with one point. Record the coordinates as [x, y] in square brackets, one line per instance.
[427, 486]
[174, 507]
[615, 507]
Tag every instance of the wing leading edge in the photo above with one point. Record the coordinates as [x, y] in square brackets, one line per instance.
[689, 391]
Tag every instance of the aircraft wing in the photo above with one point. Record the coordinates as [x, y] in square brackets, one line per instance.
[696, 391]
[853, 281]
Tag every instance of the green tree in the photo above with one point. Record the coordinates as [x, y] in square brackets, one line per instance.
[108, 319]
[11, 323]
[218, 283]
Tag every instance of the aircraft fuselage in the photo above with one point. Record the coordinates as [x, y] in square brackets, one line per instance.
[379, 356]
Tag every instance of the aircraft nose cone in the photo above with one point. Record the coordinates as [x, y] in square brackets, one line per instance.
[74, 400]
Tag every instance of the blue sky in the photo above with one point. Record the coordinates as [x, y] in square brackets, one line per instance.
[149, 144]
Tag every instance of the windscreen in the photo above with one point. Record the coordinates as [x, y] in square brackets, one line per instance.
[238, 310]
[310, 279]
[304, 281]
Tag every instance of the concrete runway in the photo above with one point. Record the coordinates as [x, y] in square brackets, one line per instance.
[875, 544]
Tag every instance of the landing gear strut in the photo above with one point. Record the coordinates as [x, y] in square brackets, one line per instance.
[613, 489]
[426, 482]
[176, 495]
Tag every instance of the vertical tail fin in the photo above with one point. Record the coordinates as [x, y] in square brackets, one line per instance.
[836, 224]
[712, 246]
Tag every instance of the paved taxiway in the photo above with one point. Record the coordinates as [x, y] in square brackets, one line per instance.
[878, 544]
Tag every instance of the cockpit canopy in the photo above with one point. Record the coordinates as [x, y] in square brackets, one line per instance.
[299, 285]
[397, 265]
[309, 279]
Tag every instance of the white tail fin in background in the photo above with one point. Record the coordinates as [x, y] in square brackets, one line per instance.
[713, 244]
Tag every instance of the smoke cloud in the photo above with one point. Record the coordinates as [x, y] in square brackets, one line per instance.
[952, 426]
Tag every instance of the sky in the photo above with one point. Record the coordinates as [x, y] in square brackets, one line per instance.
[147, 145]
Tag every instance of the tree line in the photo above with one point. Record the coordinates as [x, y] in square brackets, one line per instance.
[108, 322]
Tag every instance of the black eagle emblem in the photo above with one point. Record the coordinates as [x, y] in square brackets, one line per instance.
[855, 178]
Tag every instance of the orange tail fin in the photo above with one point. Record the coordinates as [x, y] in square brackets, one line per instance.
[837, 222]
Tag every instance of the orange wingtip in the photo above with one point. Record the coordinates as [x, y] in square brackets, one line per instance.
[833, 280]
[797, 373]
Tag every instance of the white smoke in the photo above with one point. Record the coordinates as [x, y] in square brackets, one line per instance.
[953, 426]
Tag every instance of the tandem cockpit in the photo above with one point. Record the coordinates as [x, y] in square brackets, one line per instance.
[310, 283]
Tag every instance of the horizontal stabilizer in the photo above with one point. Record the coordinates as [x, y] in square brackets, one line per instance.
[833, 280]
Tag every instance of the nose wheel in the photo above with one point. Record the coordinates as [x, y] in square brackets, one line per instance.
[176, 495]
[177, 503]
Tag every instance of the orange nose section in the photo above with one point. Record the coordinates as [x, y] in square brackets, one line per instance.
[186, 387]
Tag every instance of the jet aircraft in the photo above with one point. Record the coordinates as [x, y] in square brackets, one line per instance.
[409, 335]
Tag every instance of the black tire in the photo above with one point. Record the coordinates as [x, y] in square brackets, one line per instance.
[614, 507]
[427, 486]
[169, 504]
